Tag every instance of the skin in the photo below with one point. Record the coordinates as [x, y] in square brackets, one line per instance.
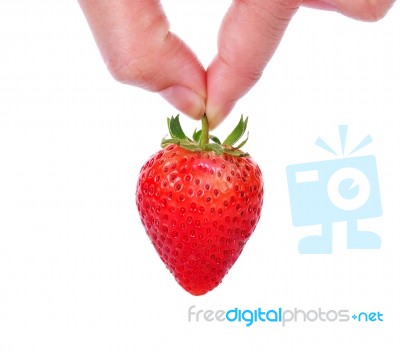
[138, 48]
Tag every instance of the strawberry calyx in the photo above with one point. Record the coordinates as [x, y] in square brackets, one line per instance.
[202, 140]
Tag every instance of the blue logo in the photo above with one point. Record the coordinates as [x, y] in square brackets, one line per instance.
[343, 189]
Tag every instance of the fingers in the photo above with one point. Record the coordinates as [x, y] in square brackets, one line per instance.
[134, 39]
[249, 35]
[138, 48]
[364, 10]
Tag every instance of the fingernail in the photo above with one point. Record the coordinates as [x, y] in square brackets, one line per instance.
[216, 115]
[185, 100]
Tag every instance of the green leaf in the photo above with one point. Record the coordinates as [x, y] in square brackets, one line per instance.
[237, 132]
[196, 135]
[189, 145]
[175, 128]
[242, 143]
[216, 148]
[215, 139]
[201, 138]
[167, 141]
[235, 152]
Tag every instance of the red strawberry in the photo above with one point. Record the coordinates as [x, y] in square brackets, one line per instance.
[199, 203]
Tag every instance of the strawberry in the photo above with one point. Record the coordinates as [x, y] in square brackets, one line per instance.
[199, 202]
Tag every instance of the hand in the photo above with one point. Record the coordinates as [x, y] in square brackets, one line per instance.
[138, 48]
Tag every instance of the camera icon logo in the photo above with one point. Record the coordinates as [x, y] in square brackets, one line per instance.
[324, 192]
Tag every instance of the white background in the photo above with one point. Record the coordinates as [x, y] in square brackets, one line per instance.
[77, 271]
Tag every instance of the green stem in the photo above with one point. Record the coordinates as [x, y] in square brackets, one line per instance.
[204, 132]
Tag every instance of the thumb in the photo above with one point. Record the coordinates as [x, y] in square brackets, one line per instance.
[134, 39]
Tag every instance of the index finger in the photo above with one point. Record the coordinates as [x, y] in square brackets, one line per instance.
[249, 36]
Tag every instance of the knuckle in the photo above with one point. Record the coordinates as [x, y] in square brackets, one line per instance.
[133, 67]
[117, 66]
[129, 68]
